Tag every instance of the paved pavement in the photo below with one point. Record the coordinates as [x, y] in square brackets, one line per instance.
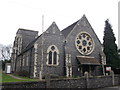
[109, 88]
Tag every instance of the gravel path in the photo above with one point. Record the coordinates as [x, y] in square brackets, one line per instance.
[16, 77]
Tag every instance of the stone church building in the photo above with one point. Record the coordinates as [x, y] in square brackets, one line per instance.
[70, 52]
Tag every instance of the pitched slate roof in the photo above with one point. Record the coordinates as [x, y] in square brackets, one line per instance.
[25, 30]
[30, 45]
[88, 60]
[68, 29]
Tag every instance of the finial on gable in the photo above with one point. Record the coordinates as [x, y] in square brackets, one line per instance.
[84, 16]
[53, 22]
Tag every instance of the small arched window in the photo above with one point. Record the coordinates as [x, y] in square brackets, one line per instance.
[52, 55]
[55, 57]
[50, 58]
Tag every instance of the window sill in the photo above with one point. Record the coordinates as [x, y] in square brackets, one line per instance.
[52, 65]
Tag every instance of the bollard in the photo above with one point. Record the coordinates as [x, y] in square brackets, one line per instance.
[113, 78]
[87, 79]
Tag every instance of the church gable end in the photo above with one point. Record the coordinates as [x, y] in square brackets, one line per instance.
[53, 29]
[52, 45]
[82, 41]
[84, 27]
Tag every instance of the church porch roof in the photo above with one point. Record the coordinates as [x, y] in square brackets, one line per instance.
[85, 60]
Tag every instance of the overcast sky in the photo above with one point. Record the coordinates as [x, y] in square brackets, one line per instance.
[27, 14]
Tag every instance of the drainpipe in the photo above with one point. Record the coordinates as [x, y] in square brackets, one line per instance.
[16, 63]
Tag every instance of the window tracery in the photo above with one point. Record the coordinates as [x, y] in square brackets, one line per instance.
[52, 55]
[84, 43]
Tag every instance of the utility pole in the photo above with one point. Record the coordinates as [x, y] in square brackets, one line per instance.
[41, 61]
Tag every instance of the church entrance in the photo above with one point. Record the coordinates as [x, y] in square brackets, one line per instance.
[88, 68]
[85, 68]
[87, 64]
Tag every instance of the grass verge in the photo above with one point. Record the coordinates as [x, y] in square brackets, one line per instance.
[7, 78]
[0, 75]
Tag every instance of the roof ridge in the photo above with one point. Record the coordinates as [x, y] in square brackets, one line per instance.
[27, 30]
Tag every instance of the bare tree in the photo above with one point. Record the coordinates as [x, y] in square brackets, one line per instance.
[5, 52]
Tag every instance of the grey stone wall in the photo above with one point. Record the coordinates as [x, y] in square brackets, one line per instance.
[68, 83]
[93, 82]
[29, 68]
[117, 79]
[24, 85]
[99, 82]
[31, 62]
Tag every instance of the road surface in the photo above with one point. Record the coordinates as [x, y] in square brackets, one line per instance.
[109, 88]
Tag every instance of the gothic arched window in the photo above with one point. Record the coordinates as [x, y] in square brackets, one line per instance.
[52, 55]
[50, 58]
[55, 57]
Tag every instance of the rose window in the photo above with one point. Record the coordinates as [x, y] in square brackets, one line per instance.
[84, 43]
